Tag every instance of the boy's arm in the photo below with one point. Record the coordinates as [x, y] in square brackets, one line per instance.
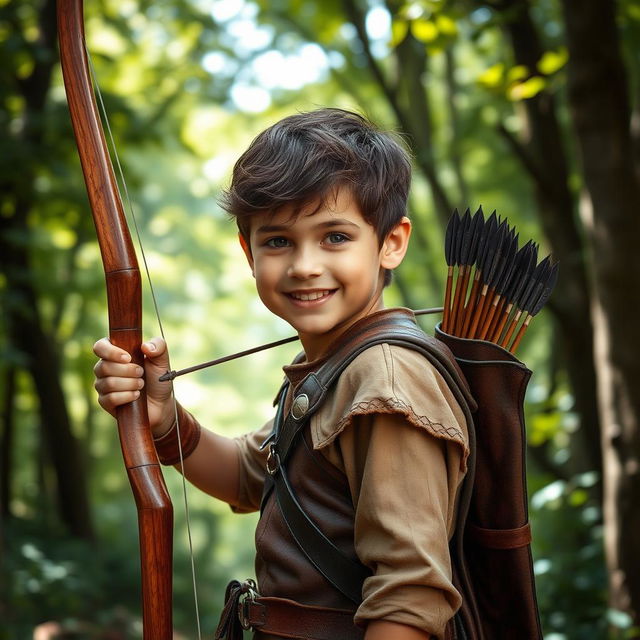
[213, 466]
[402, 509]
[382, 630]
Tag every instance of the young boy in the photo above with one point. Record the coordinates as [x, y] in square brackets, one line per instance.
[320, 202]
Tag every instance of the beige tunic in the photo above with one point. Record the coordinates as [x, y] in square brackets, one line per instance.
[393, 427]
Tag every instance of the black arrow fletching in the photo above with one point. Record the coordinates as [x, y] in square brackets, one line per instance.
[524, 277]
[466, 238]
[457, 240]
[522, 268]
[539, 277]
[493, 260]
[510, 264]
[449, 237]
[491, 246]
[482, 241]
[477, 226]
[488, 242]
[547, 288]
[529, 285]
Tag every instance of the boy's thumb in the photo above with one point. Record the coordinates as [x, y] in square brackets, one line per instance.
[156, 351]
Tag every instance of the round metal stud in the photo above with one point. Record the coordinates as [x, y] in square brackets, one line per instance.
[300, 406]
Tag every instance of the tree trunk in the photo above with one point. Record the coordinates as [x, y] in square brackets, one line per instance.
[29, 337]
[6, 441]
[599, 102]
[455, 136]
[25, 325]
[544, 157]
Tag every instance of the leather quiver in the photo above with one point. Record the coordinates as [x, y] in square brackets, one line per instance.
[493, 558]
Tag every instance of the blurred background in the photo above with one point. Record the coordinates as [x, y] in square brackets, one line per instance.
[529, 107]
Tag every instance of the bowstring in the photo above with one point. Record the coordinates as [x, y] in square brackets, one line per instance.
[132, 217]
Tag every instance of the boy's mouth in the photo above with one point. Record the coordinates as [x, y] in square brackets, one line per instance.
[310, 296]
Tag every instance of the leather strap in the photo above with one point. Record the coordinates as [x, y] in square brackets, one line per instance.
[244, 608]
[289, 619]
[187, 430]
[344, 573]
[500, 538]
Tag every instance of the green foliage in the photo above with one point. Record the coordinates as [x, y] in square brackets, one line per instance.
[569, 564]
[49, 576]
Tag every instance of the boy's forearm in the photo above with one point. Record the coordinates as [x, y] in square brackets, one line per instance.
[383, 630]
[213, 466]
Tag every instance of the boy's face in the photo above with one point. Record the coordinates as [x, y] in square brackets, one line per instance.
[322, 270]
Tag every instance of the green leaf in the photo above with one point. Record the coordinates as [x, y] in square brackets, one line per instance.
[399, 30]
[578, 497]
[527, 89]
[446, 25]
[552, 61]
[519, 72]
[493, 76]
[424, 30]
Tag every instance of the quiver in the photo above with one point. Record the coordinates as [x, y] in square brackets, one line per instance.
[491, 555]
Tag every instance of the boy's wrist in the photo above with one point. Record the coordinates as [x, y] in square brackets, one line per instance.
[166, 424]
[180, 440]
[161, 432]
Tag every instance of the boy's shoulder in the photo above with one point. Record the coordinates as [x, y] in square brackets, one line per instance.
[390, 379]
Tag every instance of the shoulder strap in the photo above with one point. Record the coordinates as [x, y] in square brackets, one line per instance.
[396, 327]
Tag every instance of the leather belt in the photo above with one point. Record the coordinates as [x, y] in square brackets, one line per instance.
[246, 609]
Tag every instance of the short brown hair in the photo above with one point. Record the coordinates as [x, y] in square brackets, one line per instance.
[306, 156]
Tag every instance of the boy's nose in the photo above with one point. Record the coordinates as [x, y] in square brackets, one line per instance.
[305, 264]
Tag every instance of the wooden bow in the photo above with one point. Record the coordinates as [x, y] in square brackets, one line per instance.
[124, 299]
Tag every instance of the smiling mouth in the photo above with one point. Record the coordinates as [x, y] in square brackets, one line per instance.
[310, 296]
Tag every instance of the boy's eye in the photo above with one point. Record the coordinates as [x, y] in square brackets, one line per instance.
[337, 238]
[277, 243]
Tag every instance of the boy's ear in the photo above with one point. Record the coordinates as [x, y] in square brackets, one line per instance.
[247, 251]
[395, 244]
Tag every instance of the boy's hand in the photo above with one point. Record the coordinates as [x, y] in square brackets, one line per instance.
[118, 380]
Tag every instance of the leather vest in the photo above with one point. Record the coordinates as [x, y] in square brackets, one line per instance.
[282, 568]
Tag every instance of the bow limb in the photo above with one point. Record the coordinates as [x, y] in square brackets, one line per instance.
[124, 299]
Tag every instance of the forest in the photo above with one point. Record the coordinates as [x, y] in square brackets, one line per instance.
[527, 107]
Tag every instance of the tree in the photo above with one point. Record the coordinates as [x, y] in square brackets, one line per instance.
[25, 134]
[600, 102]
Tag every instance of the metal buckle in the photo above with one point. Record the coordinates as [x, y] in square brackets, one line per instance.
[273, 460]
[300, 406]
[249, 594]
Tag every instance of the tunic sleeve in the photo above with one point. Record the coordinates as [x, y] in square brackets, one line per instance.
[251, 469]
[399, 482]
[393, 380]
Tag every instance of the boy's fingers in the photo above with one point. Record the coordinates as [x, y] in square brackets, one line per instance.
[110, 385]
[104, 349]
[156, 352]
[113, 400]
[106, 368]
[154, 347]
